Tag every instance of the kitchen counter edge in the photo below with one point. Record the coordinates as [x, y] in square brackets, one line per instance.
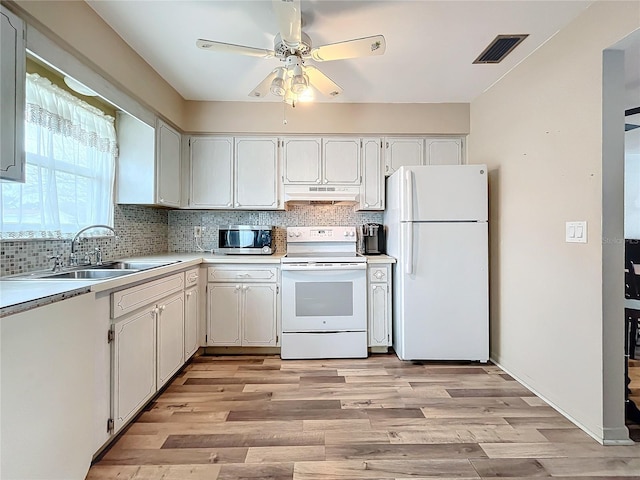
[21, 295]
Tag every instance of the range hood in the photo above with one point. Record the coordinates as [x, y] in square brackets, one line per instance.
[321, 194]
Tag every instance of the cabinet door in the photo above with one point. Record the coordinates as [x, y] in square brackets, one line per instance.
[223, 314]
[191, 311]
[302, 161]
[211, 172]
[259, 314]
[372, 189]
[401, 151]
[170, 327]
[134, 364]
[136, 181]
[378, 311]
[257, 182]
[168, 165]
[12, 78]
[341, 160]
[443, 151]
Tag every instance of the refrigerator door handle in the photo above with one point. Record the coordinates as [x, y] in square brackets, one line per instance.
[409, 193]
[409, 256]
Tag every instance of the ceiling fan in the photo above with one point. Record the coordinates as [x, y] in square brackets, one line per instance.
[293, 47]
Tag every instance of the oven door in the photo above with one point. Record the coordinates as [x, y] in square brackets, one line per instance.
[324, 298]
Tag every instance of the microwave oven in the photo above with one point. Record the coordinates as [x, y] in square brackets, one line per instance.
[245, 240]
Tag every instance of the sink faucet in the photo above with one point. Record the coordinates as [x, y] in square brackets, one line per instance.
[57, 262]
[73, 259]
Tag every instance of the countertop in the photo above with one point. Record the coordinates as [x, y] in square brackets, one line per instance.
[19, 295]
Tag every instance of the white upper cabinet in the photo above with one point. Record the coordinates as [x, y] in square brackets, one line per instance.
[211, 172]
[413, 151]
[148, 163]
[315, 160]
[443, 151]
[341, 160]
[257, 184]
[302, 160]
[168, 165]
[372, 188]
[235, 173]
[403, 151]
[12, 80]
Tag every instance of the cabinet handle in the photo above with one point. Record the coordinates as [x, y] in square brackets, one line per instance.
[242, 275]
[366, 205]
[162, 200]
[162, 307]
[237, 287]
[237, 204]
[188, 294]
[229, 204]
[245, 288]
[318, 181]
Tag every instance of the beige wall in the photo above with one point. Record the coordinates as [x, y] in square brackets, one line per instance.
[85, 34]
[397, 118]
[540, 132]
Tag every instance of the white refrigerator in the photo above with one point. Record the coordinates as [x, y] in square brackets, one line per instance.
[436, 225]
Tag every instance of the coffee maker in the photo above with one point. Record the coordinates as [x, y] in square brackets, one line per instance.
[373, 239]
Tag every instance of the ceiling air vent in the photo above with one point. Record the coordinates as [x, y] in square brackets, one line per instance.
[501, 46]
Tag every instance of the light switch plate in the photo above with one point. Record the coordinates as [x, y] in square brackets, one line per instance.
[576, 232]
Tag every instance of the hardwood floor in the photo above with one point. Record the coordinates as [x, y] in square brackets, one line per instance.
[378, 418]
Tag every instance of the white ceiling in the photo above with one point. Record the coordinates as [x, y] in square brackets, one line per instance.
[430, 44]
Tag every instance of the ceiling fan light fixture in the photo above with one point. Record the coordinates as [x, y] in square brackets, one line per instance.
[278, 87]
[299, 83]
[306, 96]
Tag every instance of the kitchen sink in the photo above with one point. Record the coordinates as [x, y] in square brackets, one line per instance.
[93, 272]
[133, 265]
[90, 274]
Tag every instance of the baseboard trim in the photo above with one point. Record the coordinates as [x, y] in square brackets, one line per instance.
[601, 438]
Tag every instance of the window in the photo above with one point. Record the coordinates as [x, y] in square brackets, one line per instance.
[70, 167]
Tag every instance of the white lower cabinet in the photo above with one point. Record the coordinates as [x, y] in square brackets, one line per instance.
[259, 315]
[147, 343]
[170, 337]
[242, 313]
[134, 364]
[223, 314]
[379, 305]
[191, 323]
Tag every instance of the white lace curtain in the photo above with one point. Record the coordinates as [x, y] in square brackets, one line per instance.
[70, 154]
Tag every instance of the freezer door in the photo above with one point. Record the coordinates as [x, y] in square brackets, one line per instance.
[443, 192]
[443, 290]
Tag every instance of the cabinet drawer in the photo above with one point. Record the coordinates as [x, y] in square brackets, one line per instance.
[191, 277]
[379, 274]
[243, 274]
[131, 299]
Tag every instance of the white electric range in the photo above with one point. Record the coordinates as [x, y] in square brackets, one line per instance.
[324, 294]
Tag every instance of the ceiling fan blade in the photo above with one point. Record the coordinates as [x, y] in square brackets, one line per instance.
[263, 88]
[289, 18]
[361, 47]
[232, 48]
[321, 82]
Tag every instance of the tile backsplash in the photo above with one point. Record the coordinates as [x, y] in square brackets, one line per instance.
[181, 223]
[147, 230]
[141, 231]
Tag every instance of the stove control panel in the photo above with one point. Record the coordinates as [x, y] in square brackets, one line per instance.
[321, 234]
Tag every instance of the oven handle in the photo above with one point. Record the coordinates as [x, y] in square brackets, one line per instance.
[324, 267]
